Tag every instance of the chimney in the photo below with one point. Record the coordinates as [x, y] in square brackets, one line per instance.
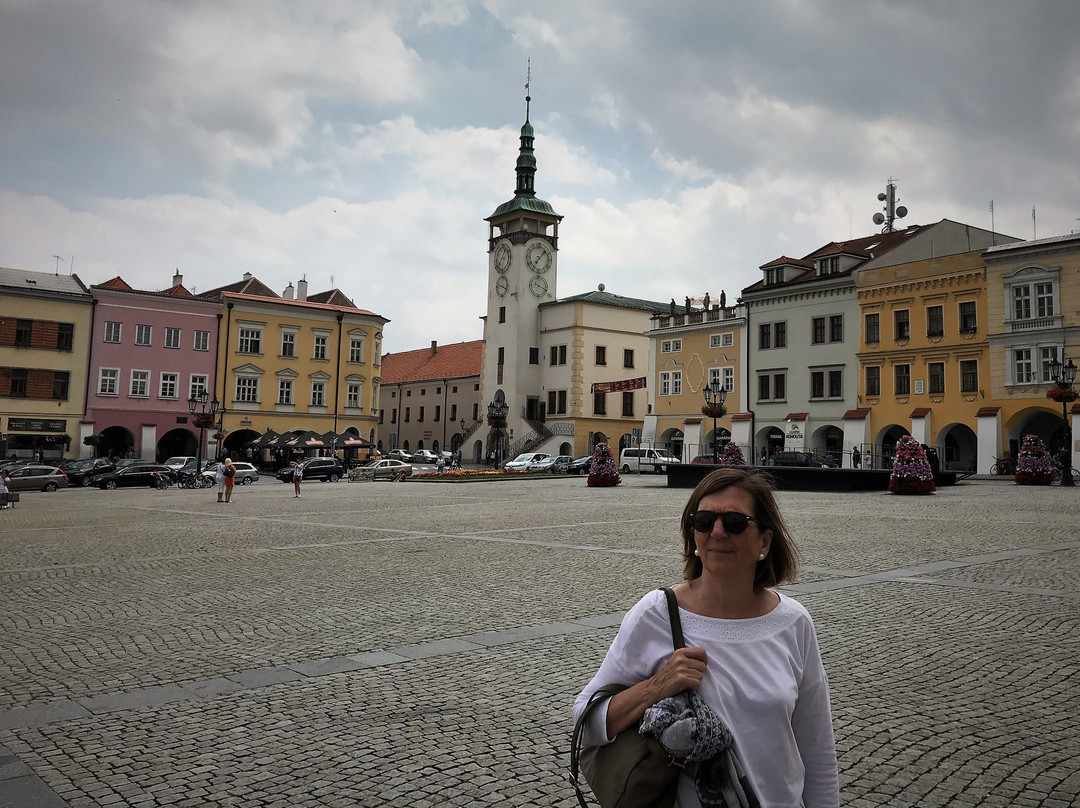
[301, 290]
[247, 276]
[288, 293]
[177, 279]
[434, 347]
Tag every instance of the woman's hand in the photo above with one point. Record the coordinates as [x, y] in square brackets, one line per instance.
[684, 670]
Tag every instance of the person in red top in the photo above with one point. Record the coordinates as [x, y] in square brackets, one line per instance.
[230, 478]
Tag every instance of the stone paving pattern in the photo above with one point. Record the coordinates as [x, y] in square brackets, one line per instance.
[420, 645]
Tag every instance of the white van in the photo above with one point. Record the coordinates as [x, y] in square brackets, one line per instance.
[656, 460]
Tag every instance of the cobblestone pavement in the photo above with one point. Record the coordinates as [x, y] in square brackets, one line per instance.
[420, 644]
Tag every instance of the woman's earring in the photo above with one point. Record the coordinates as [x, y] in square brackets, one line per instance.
[761, 557]
[696, 552]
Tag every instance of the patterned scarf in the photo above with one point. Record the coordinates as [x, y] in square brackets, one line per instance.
[689, 730]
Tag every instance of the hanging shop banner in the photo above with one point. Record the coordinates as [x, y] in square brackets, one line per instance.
[35, 425]
[619, 387]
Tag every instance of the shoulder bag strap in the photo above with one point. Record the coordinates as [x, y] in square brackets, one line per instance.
[607, 691]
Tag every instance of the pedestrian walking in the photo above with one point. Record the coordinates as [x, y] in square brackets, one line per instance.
[229, 475]
[856, 457]
[4, 504]
[440, 464]
[219, 478]
[297, 477]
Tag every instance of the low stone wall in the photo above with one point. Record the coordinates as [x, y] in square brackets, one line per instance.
[793, 478]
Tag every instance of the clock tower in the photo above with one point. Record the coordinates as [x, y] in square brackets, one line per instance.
[523, 243]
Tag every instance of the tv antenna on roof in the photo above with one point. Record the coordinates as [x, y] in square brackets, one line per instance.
[892, 210]
[58, 258]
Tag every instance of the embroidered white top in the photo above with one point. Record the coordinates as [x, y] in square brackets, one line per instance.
[764, 678]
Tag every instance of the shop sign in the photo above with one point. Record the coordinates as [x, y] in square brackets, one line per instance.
[36, 425]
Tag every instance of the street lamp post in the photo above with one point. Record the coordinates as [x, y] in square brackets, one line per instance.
[1064, 374]
[715, 395]
[197, 407]
[497, 412]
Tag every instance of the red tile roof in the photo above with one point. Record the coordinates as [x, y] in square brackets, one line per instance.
[855, 415]
[304, 303]
[118, 284]
[454, 361]
[783, 260]
[987, 411]
[796, 416]
[919, 412]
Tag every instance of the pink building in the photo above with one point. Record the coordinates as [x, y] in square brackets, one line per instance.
[149, 352]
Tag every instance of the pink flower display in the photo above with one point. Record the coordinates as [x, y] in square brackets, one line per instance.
[1033, 465]
[911, 470]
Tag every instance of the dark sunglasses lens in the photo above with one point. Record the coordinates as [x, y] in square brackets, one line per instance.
[703, 521]
[734, 523]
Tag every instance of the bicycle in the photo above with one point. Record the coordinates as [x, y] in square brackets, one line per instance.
[1004, 466]
[1073, 472]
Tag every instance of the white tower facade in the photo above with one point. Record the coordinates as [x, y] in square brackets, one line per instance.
[523, 245]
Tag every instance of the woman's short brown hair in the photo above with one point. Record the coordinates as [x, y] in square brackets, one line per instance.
[781, 565]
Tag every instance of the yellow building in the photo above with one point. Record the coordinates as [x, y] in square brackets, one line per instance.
[924, 357]
[45, 325]
[690, 348]
[290, 364]
[1034, 319]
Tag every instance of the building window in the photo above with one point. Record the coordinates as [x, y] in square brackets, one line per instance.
[772, 387]
[728, 378]
[1021, 302]
[142, 334]
[352, 395]
[817, 330]
[318, 394]
[60, 385]
[534, 358]
[836, 328]
[902, 323]
[65, 337]
[936, 373]
[873, 381]
[671, 383]
[408, 414]
[250, 341]
[378, 352]
[968, 322]
[903, 380]
[247, 390]
[140, 384]
[772, 276]
[108, 379]
[764, 387]
[764, 336]
[969, 376]
[1046, 357]
[873, 328]
[393, 415]
[935, 321]
[628, 404]
[112, 332]
[23, 330]
[172, 337]
[780, 335]
[599, 404]
[202, 341]
[197, 384]
[1044, 299]
[169, 384]
[817, 384]
[628, 357]
[18, 382]
[320, 347]
[420, 416]
[779, 381]
[671, 346]
[356, 350]
[438, 412]
[836, 384]
[1022, 369]
[558, 354]
[502, 314]
[453, 410]
[601, 355]
[725, 340]
[285, 391]
[288, 344]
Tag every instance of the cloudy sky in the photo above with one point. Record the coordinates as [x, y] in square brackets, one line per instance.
[361, 143]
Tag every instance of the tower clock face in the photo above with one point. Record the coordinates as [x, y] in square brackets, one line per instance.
[502, 257]
[538, 257]
[538, 286]
[501, 286]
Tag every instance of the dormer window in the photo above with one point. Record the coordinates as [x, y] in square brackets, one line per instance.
[772, 276]
[829, 266]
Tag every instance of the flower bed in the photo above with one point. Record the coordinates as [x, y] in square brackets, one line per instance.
[481, 475]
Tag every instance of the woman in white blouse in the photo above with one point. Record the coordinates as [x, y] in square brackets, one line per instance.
[751, 654]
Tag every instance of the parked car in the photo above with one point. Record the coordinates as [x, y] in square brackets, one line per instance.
[180, 461]
[707, 460]
[137, 475]
[581, 465]
[399, 454]
[804, 459]
[36, 478]
[562, 465]
[425, 456]
[82, 472]
[548, 463]
[316, 468]
[643, 460]
[385, 469]
[522, 461]
[245, 473]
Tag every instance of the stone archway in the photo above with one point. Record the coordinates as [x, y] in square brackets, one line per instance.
[958, 448]
[885, 446]
[672, 440]
[116, 441]
[177, 443]
[771, 441]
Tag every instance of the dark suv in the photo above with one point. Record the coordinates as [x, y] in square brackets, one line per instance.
[316, 468]
[797, 459]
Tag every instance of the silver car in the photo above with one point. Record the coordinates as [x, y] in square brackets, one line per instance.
[385, 469]
[36, 478]
[246, 474]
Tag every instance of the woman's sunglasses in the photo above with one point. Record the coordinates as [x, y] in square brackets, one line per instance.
[732, 521]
